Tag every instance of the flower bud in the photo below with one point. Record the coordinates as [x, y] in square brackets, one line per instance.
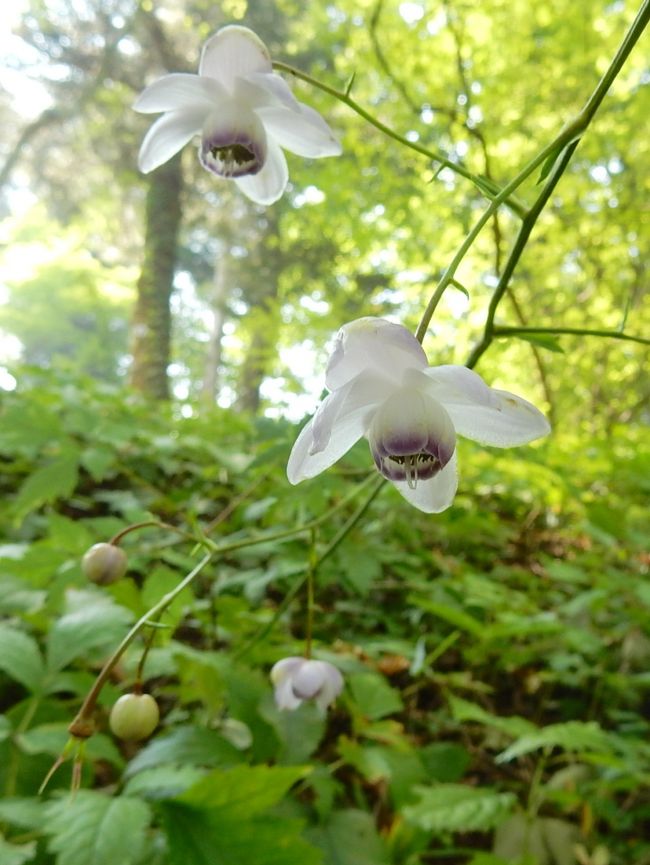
[300, 679]
[104, 564]
[134, 717]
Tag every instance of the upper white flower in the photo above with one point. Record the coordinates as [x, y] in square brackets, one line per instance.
[382, 388]
[299, 679]
[243, 111]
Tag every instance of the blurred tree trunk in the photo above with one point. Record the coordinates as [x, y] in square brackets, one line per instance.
[218, 308]
[262, 325]
[151, 326]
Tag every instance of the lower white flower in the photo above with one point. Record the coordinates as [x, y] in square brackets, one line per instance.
[299, 679]
[383, 388]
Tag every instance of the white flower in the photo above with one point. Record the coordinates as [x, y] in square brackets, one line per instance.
[382, 388]
[243, 111]
[300, 679]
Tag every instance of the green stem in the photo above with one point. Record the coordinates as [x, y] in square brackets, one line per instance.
[569, 136]
[487, 187]
[82, 726]
[507, 330]
[303, 572]
[519, 245]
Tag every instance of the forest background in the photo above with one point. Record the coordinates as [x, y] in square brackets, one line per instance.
[496, 706]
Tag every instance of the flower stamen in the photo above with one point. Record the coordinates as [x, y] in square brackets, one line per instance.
[415, 465]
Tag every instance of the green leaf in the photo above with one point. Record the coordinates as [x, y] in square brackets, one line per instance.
[25, 813]
[572, 736]
[16, 854]
[94, 828]
[445, 761]
[92, 620]
[243, 790]
[20, 657]
[52, 738]
[350, 838]
[457, 808]
[541, 340]
[53, 481]
[163, 782]
[463, 710]
[452, 615]
[374, 696]
[199, 836]
[193, 746]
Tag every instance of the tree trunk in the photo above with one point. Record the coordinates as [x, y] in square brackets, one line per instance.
[151, 327]
[218, 309]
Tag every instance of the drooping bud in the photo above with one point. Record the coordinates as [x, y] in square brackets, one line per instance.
[134, 717]
[300, 679]
[104, 564]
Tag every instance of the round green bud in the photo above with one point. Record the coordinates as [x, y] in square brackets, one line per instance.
[134, 717]
[104, 564]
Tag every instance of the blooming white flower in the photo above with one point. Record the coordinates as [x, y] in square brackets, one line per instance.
[382, 388]
[243, 111]
[300, 679]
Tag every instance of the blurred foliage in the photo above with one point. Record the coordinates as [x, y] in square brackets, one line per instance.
[495, 656]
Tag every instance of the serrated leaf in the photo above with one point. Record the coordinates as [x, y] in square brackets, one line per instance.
[163, 782]
[25, 813]
[92, 620]
[572, 736]
[97, 829]
[513, 725]
[457, 808]
[186, 746]
[16, 854]
[374, 696]
[51, 739]
[20, 657]
[211, 837]
[243, 790]
[57, 479]
[350, 838]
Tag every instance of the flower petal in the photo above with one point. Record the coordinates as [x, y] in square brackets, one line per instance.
[285, 697]
[434, 495]
[167, 136]
[373, 343]
[308, 680]
[179, 91]
[340, 421]
[267, 185]
[484, 414]
[303, 132]
[285, 667]
[234, 143]
[411, 436]
[234, 52]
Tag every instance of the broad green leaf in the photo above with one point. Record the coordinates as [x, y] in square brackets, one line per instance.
[57, 479]
[400, 767]
[20, 657]
[5, 728]
[571, 736]
[456, 808]
[23, 812]
[51, 739]
[186, 746]
[94, 828]
[542, 839]
[198, 836]
[444, 761]
[452, 615]
[373, 695]
[92, 620]
[163, 782]
[243, 790]
[350, 838]
[16, 854]
[463, 710]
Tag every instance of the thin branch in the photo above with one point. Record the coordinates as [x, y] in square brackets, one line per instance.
[507, 330]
